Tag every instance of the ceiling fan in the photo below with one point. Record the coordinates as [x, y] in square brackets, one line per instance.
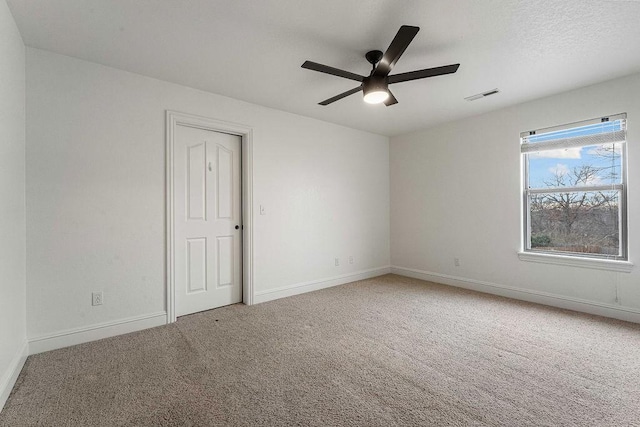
[375, 87]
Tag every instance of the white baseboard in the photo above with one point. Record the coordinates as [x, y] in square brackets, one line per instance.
[95, 332]
[592, 307]
[301, 288]
[8, 379]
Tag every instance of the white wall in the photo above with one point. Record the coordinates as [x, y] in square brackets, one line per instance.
[96, 201]
[12, 202]
[455, 192]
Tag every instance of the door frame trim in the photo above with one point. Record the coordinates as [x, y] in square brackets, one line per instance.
[173, 119]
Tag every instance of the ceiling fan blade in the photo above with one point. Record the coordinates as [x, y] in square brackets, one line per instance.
[397, 47]
[309, 65]
[421, 74]
[391, 100]
[342, 95]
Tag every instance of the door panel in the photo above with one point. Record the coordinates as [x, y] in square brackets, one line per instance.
[196, 265]
[225, 183]
[207, 209]
[225, 261]
[196, 183]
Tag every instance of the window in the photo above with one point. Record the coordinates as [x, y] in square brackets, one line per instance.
[575, 189]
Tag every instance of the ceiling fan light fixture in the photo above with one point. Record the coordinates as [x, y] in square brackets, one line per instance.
[375, 90]
[376, 97]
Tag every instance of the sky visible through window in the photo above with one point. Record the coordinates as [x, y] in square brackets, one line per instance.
[552, 168]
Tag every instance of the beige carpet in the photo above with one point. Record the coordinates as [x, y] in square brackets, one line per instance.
[380, 352]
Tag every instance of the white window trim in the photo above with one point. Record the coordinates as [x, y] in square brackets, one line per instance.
[525, 254]
[575, 261]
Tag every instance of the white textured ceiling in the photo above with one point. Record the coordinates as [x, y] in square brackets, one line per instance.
[252, 49]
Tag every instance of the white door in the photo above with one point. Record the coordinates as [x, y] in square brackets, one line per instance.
[208, 219]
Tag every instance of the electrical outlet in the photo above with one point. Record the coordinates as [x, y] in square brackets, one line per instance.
[96, 298]
[350, 259]
[456, 262]
[337, 262]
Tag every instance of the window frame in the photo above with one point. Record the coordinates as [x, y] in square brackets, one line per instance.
[619, 262]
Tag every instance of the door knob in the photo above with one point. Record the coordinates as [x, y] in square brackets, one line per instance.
[237, 226]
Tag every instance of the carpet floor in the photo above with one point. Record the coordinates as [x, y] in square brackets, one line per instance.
[380, 352]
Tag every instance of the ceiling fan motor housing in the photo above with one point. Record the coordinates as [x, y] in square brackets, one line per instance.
[374, 84]
[375, 89]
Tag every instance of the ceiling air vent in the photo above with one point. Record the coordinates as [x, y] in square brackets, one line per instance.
[482, 95]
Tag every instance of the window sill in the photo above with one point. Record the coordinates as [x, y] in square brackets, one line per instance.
[599, 264]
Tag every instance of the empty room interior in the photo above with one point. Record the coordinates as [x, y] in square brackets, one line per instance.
[288, 212]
